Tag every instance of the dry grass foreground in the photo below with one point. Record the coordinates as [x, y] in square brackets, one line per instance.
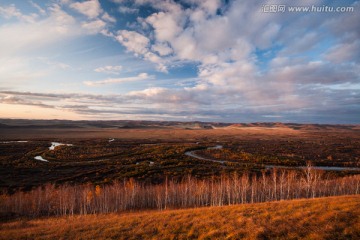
[324, 218]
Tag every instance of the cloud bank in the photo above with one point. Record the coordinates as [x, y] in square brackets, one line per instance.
[246, 65]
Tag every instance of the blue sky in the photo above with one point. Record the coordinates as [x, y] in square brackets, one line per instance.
[209, 60]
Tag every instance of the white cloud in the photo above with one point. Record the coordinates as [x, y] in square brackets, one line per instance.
[165, 24]
[107, 33]
[133, 41]
[108, 18]
[65, 2]
[140, 77]
[139, 44]
[314, 72]
[109, 69]
[61, 21]
[24, 37]
[150, 92]
[11, 11]
[224, 49]
[127, 10]
[248, 62]
[185, 46]
[210, 6]
[40, 9]
[152, 57]
[94, 26]
[89, 8]
[348, 51]
[162, 48]
[33, 51]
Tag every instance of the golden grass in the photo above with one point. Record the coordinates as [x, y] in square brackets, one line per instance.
[151, 134]
[325, 218]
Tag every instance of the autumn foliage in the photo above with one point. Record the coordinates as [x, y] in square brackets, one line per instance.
[130, 195]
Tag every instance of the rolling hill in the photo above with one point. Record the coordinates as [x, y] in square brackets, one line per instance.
[324, 218]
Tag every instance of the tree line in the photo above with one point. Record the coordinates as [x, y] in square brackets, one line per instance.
[130, 195]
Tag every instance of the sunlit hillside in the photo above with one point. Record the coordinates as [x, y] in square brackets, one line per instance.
[324, 218]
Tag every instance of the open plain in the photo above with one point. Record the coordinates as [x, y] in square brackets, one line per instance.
[100, 152]
[104, 179]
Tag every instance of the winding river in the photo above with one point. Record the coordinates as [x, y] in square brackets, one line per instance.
[325, 168]
[195, 155]
[51, 148]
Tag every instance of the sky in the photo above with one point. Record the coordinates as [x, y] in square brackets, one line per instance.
[184, 60]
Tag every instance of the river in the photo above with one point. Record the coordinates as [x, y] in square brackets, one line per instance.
[325, 168]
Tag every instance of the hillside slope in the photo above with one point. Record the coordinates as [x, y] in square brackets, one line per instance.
[326, 218]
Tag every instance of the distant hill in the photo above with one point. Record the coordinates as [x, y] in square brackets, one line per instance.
[4, 125]
[136, 124]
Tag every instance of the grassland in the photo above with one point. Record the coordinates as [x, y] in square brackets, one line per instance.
[324, 218]
[92, 158]
[103, 154]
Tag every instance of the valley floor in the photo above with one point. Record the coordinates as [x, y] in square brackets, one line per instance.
[324, 218]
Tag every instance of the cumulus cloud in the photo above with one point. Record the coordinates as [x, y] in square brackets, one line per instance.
[139, 45]
[106, 17]
[89, 8]
[246, 62]
[133, 41]
[162, 48]
[211, 35]
[98, 21]
[11, 11]
[166, 25]
[94, 26]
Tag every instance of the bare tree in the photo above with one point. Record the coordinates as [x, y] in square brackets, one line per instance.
[190, 192]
